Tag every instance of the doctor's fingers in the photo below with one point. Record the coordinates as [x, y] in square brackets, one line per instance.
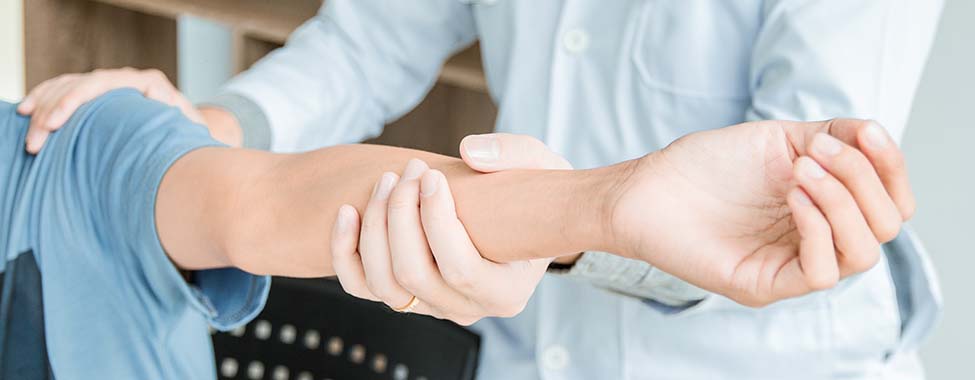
[413, 264]
[346, 261]
[816, 268]
[40, 104]
[501, 290]
[54, 101]
[858, 248]
[502, 151]
[374, 247]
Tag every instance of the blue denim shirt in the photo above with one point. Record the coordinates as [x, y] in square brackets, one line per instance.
[113, 306]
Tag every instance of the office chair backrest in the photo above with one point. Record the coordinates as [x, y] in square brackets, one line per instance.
[312, 330]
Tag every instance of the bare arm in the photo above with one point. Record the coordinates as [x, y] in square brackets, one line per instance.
[272, 214]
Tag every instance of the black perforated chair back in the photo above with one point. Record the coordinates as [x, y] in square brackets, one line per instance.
[312, 330]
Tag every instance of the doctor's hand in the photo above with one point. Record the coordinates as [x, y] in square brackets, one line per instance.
[411, 243]
[768, 210]
[52, 102]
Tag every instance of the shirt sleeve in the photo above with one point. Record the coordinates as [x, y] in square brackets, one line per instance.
[122, 144]
[635, 278]
[349, 70]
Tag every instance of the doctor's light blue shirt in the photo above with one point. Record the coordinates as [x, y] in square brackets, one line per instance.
[605, 81]
[78, 239]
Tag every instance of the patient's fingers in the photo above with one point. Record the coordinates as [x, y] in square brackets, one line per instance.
[374, 247]
[853, 169]
[346, 261]
[872, 139]
[502, 151]
[818, 268]
[888, 160]
[859, 249]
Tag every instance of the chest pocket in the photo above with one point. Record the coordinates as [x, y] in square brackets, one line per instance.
[23, 349]
[699, 49]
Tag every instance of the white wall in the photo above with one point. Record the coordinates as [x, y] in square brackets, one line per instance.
[939, 148]
[11, 50]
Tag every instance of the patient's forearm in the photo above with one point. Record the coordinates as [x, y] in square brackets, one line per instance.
[273, 214]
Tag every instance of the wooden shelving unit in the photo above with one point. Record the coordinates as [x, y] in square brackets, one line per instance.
[259, 24]
[63, 36]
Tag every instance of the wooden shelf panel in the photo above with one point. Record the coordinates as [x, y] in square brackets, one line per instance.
[273, 21]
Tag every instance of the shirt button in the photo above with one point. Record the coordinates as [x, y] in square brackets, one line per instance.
[555, 358]
[575, 41]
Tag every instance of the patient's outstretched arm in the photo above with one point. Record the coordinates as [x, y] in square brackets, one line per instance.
[273, 213]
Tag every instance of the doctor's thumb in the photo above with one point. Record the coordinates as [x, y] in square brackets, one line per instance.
[502, 151]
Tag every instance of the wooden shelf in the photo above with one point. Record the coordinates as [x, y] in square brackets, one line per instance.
[273, 21]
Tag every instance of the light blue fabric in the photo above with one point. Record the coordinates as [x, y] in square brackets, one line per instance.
[605, 81]
[115, 306]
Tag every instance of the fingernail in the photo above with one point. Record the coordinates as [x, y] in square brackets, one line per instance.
[812, 169]
[54, 119]
[344, 220]
[385, 186]
[430, 183]
[802, 198]
[826, 145]
[877, 136]
[414, 169]
[482, 148]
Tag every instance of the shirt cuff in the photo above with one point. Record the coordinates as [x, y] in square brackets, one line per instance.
[636, 278]
[251, 118]
[230, 296]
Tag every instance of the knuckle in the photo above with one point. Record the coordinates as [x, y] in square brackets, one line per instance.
[154, 73]
[822, 281]
[511, 309]
[378, 288]
[753, 300]
[399, 201]
[864, 260]
[467, 321]
[854, 161]
[372, 225]
[908, 208]
[887, 231]
[458, 278]
[409, 278]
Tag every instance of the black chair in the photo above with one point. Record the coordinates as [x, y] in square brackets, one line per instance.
[312, 330]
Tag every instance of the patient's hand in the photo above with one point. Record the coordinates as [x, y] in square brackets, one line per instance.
[411, 242]
[52, 102]
[763, 211]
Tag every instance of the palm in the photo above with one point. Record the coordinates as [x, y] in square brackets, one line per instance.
[726, 190]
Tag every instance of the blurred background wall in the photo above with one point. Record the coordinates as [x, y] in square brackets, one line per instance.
[940, 148]
[936, 144]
